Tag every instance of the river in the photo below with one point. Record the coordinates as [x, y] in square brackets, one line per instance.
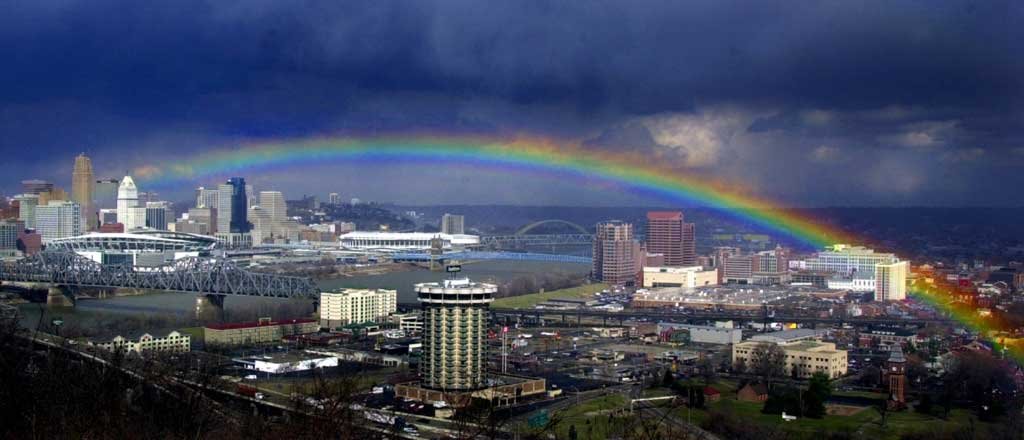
[180, 307]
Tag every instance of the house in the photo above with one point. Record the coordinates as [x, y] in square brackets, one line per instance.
[711, 394]
[753, 393]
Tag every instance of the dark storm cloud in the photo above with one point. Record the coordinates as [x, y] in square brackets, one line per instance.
[807, 81]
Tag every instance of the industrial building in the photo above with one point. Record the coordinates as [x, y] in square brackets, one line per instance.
[701, 334]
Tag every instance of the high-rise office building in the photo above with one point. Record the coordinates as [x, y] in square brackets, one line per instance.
[233, 206]
[273, 204]
[454, 333]
[891, 281]
[669, 235]
[158, 214]
[104, 193]
[82, 190]
[452, 224]
[58, 219]
[224, 208]
[27, 204]
[334, 199]
[207, 198]
[262, 226]
[35, 186]
[129, 213]
[9, 231]
[617, 255]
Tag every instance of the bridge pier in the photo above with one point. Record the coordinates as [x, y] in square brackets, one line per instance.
[59, 296]
[210, 307]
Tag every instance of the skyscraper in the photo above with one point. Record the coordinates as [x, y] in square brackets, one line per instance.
[452, 224]
[334, 199]
[58, 219]
[454, 333]
[616, 253]
[82, 190]
[669, 235]
[237, 204]
[128, 211]
[224, 191]
[104, 193]
[272, 202]
[157, 215]
[207, 197]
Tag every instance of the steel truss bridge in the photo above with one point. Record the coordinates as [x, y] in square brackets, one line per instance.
[519, 241]
[201, 275]
[480, 255]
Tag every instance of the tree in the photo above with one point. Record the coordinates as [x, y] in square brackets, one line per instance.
[739, 367]
[668, 379]
[707, 371]
[818, 392]
[768, 362]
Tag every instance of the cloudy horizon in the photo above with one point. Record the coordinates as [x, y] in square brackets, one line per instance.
[812, 103]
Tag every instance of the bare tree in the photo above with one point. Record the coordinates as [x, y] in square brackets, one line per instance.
[768, 362]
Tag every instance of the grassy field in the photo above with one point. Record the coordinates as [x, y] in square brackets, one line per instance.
[865, 423]
[530, 300]
[590, 418]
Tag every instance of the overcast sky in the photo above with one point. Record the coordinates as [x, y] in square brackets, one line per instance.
[812, 103]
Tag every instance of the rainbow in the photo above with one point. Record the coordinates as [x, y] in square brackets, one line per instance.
[566, 159]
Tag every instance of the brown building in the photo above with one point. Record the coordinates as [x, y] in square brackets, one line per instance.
[753, 393]
[895, 376]
[112, 228]
[669, 235]
[617, 254]
[30, 242]
[82, 183]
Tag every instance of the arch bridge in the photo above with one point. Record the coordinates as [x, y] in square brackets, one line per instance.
[522, 237]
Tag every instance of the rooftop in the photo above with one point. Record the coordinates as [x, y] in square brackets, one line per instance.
[238, 325]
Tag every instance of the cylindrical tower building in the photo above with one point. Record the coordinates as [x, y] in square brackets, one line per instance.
[454, 333]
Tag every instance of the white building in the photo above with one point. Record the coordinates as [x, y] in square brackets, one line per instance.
[854, 265]
[453, 224]
[273, 203]
[686, 277]
[224, 192]
[411, 322]
[129, 213]
[702, 334]
[403, 241]
[207, 198]
[58, 219]
[356, 306]
[173, 342]
[334, 199]
[891, 281]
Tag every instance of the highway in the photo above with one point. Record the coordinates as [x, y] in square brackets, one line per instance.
[654, 315]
